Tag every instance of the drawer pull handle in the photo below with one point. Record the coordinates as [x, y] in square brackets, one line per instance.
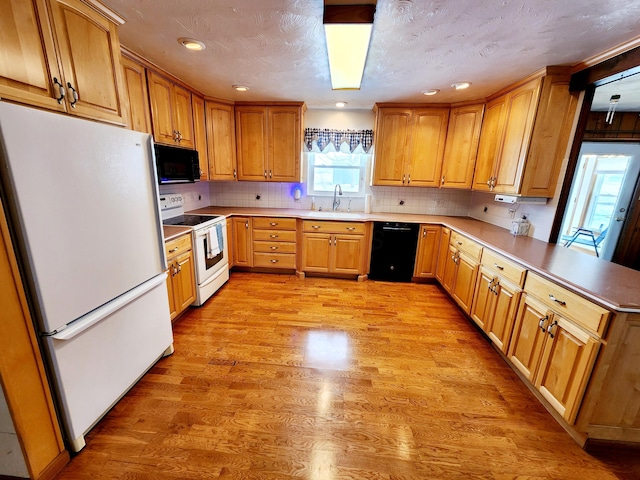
[315, 226]
[499, 267]
[174, 250]
[273, 236]
[560, 302]
[351, 229]
[459, 243]
[274, 261]
[274, 248]
[542, 322]
[273, 224]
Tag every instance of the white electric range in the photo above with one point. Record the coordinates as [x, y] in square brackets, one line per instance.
[209, 239]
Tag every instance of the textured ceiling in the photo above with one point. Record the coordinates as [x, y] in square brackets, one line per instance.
[276, 47]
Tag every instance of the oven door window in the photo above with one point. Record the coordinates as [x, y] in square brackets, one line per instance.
[211, 262]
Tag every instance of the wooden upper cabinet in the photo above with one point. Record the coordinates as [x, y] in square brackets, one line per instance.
[285, 143]
[463, 136]
[200, 132]
[28, 59]
[269, 142]
[135, 83]
[221, 141]
[171, 112]
[393, 140]
[410, 144]
[525, 135]
[88, 52]
[251, 138]
[90, 57]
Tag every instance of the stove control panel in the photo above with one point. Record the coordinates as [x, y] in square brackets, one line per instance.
[171, 200]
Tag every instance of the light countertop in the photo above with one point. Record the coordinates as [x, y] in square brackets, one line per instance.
[607, 283]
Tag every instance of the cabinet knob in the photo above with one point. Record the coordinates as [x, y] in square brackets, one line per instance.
[351, 229]
[274, 248]
[273, 224]
[274, 261]
[315, 226]
[273, 236]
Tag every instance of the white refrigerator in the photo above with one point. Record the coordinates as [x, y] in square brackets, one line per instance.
[82, 202]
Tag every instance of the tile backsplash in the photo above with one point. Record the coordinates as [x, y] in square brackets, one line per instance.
[431, 201]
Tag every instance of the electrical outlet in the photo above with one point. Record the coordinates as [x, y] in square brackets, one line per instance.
[439, 202]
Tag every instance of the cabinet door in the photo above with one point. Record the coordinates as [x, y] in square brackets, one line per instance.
[465, 281]
[90, 57]
[450, 268]
[520, 113]
[443, 254]
[505, 306]
[483, 306]
[28, 60]
[160, 97]
[251, 138]
[242, 250]
[393, 141]
[316, 252]
[230, 246]
[135, 83]
[200, 132]
[528, 336]
[184, 281]
[221, 141]
[462, 146]
[565, 367]
[285, 143]
[347, 254]
[171, 293]
[183, 116]
[489, 146]
[427, 256]
[429, 133]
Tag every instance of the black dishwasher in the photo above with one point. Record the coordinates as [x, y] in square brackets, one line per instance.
[393, 251]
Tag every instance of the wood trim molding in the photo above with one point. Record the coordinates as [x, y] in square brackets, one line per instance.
[628, 61]
[606, 55]
[22, 372]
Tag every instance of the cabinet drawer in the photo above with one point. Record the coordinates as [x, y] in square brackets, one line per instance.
[579, 310]
[274, 235]
[471, 248]
[274, 247]
[274, 223]
[506, 268]
[274, 260]
[178, 245]
[355, 228]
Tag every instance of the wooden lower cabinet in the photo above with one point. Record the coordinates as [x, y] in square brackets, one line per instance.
[443, 254]
[494, 306]
[427, 254]
[242, 242]
[333, 247]
[554, 354]
[274, 242]
[181, 280]
[465, 280]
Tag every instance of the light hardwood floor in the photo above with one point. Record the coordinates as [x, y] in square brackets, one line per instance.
[278, 377]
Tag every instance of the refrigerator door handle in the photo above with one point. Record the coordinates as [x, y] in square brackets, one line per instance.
[86, 321]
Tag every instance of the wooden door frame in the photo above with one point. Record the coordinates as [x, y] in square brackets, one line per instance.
[587, 80]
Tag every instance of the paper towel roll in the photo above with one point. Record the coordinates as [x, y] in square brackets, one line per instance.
[367, 203]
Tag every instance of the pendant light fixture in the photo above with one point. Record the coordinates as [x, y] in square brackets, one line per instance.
[348, 32]
[613, 103]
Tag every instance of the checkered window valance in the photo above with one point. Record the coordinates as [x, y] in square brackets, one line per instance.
[330, 140]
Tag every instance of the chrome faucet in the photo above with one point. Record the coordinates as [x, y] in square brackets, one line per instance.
[336, 201]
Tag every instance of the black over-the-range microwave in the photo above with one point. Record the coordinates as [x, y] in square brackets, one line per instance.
[176, 165]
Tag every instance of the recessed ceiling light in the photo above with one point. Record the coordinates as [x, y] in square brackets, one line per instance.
[461, 85]
[431, 91]
[341, 104]
[241, 88]
[191, 44]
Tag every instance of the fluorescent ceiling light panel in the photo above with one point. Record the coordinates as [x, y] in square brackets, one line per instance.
[348, 32]
[347, 45]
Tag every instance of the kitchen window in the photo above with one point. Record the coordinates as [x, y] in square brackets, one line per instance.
[328, 169]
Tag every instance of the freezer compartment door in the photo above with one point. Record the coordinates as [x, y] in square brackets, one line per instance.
[97, 365]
